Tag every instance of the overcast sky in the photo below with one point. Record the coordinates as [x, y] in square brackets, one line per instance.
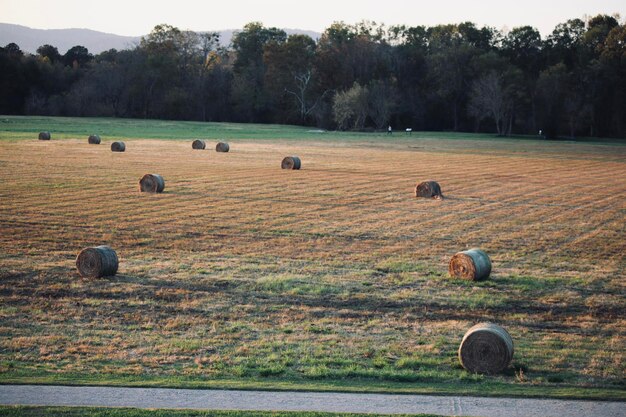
[138, 17]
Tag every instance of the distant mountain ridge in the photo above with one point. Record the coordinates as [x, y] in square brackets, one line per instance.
[29, 39]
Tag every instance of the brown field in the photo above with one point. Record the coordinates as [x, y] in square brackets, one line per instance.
[242, 270]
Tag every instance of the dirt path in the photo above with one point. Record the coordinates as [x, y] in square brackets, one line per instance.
[303, 401]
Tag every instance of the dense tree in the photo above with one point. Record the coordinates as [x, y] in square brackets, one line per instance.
[13, 82]
[523, 47]
[492, 97]
[77, 56]
[484, 39]
[351, 107]
[383, 100]
[451, 71]
[213, 85]
[49, 52]
[249, 94]
[360, 76]
[565, 43]
[551, 86]
[13, 50]
[290, 76]
[410, 69]
[598, 28]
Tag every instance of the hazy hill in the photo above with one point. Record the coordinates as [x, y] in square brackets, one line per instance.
[227, 35]
[30, 39]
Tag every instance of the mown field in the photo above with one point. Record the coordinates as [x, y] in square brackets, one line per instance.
[333, 277]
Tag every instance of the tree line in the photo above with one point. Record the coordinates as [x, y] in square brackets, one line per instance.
[365, 76]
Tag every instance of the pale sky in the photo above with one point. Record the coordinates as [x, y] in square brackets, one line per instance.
[138, 17]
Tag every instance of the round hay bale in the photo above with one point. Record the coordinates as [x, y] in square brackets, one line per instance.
[486, 348]
[152, 183]
[94, 139]
[118, 147]
[96, 262]
[222, 147]
[198, 144]
[291, 162]
[428, 189]
[473, 265]
[44, 136]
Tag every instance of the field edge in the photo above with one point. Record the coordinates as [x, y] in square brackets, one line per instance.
[26, 411]
[493, 389]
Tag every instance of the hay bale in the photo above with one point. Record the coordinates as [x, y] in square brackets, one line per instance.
[118, 147]
[291, 162]
[96, 262]
[222, 147]
[473, 265]
[428, 189]
[198, 144]
[94, 139]
[44, 136]
[486, 348]
[152, 183]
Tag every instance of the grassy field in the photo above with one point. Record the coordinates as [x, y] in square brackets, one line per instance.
[334, 277]
[131, 412]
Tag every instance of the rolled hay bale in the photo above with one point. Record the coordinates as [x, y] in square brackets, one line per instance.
[486, 348]
[96, 262]
[222, 147]
[152, 183]
[473, 265]
[118, 147]
[94, 139]
[44, 136]
[198, 144]
[428, 189]
[290, 162]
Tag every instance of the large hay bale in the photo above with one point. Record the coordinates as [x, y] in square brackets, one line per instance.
[96, 262]
[291, 162]
[152, 183]
[222, 147]
[486, 348]
[118, 147]
[428, 189]
[94, 139]
[198, 144]
[473, 265]
[44, 136]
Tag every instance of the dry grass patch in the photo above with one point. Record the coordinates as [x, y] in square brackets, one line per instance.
[242, 270]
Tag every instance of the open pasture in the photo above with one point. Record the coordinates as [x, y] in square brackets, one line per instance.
[331, 276]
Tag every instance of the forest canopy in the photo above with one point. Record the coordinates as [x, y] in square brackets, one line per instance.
[366, 76]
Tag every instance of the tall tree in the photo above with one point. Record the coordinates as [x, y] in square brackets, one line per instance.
[14, 83]
[49, 52]
[383, 100]
[551, 90]
[351, 107]
[493, 96]
[451, 72]
[291, 77]
[249, 93]
[410, 70]
[565, 42]
[77, 56]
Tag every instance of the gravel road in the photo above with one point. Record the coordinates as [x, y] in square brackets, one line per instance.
[303, 401]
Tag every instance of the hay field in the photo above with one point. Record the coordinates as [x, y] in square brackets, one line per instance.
[241, 271]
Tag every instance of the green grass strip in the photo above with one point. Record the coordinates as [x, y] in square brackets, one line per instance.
[21, 411]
